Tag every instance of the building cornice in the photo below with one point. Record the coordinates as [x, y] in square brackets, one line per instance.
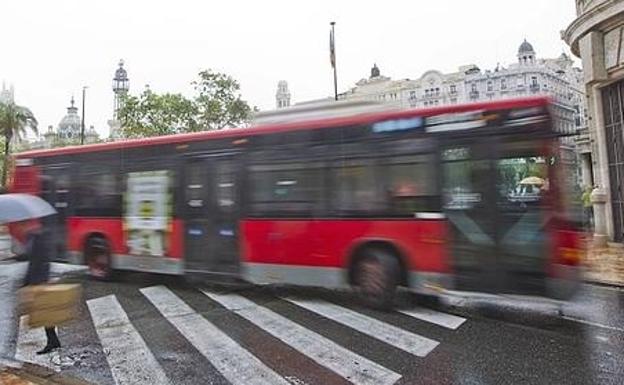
[599, 16]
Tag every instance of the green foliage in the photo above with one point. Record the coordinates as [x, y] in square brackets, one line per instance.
[219, 101]
[151, 114]
[14, 122]
[216, 104]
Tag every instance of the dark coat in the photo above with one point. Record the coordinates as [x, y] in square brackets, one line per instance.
[39, 253]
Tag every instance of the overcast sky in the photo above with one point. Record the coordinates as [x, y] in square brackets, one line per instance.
[51, 48]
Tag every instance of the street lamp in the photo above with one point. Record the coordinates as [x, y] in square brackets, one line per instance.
[82, 123]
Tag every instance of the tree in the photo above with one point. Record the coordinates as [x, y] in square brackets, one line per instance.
[14, 122]
[151, 114]
[219, 101]
[216, 104]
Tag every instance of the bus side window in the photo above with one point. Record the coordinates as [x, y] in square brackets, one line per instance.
[98, 194]
[354, 187]
[285, 188]
[410, 184]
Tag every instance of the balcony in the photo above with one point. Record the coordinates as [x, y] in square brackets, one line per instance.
[534, 87]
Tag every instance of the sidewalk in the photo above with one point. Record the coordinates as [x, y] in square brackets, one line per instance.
[29, 374]
[605, 265]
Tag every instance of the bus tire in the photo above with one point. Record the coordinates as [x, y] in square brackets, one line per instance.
[376, 277]
[98, 259]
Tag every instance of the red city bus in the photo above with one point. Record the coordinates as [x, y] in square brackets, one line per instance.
[467, 197]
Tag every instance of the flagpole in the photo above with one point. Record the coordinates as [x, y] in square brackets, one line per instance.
[335, 73]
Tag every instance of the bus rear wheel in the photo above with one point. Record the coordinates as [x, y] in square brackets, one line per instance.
[98, 258]
[375, 278]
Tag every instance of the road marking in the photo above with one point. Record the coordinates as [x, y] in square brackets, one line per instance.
[345, 363]
[449, 321]
[596, 324]
[129, 358]
[29, 341]
[235, 363]
[402, 339]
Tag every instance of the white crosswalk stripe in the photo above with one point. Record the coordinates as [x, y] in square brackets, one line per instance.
[132, 362]
[347, 364]
[234, 362]
[410, 342]
[129, 358]
[448, 321]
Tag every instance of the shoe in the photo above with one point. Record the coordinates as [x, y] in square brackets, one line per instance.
[48, 349]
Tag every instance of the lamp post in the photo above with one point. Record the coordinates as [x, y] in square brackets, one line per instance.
[82, 123]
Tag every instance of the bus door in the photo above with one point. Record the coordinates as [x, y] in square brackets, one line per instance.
[56, 190]
[496, 201]
[523, 205]
[469, 204]
[212, 214]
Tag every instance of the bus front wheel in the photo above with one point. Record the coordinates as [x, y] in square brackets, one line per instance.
[375, 278]
[98, 258]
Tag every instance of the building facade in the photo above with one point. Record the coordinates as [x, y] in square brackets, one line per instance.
[528, 75]
[7, 95]
[596, 37]
[282, 96]
[66, 133]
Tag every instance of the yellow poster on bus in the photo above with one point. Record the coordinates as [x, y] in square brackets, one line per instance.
[147, 212]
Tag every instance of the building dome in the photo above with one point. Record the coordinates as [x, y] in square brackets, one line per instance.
[69, 126]
[525, 48]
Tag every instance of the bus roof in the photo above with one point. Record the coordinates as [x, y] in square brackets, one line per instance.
[287, 126]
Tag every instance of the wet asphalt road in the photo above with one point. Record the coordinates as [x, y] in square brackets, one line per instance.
[501, 341]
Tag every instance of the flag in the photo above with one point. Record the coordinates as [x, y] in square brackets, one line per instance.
[332, 49]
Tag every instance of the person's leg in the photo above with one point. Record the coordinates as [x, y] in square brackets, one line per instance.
[53, 341]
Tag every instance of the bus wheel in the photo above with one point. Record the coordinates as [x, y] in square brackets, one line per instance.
[98, 258]
[375, 278]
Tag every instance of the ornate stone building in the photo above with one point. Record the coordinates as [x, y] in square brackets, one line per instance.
[67, 133]
[528, 75]
[7, 95]
[282, 96]
[596, 36]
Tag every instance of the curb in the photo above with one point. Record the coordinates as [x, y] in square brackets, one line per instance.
[38, 375]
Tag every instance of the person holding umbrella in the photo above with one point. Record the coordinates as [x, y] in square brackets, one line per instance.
[26, 213]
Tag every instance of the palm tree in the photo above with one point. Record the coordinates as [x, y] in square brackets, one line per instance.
[14, 122]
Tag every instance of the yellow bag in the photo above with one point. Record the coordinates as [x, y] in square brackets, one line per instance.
[50, 305]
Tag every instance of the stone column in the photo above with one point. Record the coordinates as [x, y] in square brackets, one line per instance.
[599, 200]
[601, 175]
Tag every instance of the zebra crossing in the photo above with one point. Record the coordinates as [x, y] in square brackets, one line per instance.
[132, 362]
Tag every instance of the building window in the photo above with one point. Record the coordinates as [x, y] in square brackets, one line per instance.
[503, 84]
[412, 94]
[473, 87]
[533, 80]
[490, 87]
[453, 89]
[437, 92]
